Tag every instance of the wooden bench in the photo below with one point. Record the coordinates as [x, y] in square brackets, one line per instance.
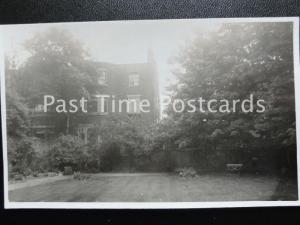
[234, 168]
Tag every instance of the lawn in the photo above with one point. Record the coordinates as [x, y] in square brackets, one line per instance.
[150, 187]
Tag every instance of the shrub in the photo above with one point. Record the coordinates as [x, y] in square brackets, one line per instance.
[27, 172]
[52, 174]
[21, 155]
[65, 152]
[186, 172]
[79, 176]
[11, 175]
[19, 177]
[35, 174]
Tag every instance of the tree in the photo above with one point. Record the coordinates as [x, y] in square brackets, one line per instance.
[17, 112]
[232, 62]
[57, 66]
[22, 157]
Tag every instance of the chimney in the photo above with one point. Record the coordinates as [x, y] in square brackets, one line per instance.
[150, 56]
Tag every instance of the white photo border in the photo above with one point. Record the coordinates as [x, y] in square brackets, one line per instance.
[155, 205]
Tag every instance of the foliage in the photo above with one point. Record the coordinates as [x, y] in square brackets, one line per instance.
[17, 112]
[58, 67]
[22, 156]
[120, 136]
[67, 151]
[232, 62]
[186, 172]
[80, 176]
[17, 122]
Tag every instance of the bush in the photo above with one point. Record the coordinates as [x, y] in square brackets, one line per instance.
[35, 174]
[21, 155]
[19, 177]
[66, 152]
[79, 176]
[41, 175]
[52, 174]
[27, 172]
[186, 172]
[11, 175]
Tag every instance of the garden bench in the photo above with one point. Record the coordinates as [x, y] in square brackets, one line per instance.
[234, 168]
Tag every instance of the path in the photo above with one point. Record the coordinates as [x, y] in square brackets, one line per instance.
[36, 181]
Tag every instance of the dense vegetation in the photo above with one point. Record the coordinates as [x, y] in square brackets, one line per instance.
[231, 63]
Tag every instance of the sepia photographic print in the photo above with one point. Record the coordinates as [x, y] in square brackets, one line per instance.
[150, 114]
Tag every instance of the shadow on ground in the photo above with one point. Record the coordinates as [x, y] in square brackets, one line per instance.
[286, 190]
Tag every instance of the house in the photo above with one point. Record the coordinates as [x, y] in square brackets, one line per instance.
[113, 83]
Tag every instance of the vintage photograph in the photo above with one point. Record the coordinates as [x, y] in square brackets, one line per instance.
[156, 111]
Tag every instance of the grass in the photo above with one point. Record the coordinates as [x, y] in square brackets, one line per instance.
[286, 190]
[150, 187]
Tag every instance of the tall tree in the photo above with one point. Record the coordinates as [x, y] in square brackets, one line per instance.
[232, 62]
[57, 66]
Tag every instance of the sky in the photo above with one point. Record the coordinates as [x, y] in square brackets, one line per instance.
[119, 41]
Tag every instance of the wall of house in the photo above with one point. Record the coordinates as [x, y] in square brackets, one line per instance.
[117, 85]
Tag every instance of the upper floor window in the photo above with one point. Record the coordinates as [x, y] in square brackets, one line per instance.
[134, 80]
[102, 77]
[99, 139]
[134, 104]
[102, 104]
